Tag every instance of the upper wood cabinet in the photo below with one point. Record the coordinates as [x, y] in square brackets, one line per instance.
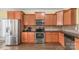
[18, 15]
[11, 14]
[29, 19]
[40, 15]
[55, 19]
[50, 19]
[73, 17]
[15, 15]
[70, 16]
[26, 19]
[60, 18]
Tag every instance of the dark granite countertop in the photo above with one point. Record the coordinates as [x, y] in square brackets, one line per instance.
[68, 32]
[71, 33]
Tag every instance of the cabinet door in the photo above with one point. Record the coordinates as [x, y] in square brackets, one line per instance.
[76, 43]
[24, 37]
[40, 15]
[15, 15]
[67, 17]
[51, 37]
[49, 19]
[26, 19]
[18, 15]
[73, 17]
[11, 14]
[48, 37]
[60, 18]
[31, 37]
[61, 39]
[54, 19]
[31, 19]
[54, 36]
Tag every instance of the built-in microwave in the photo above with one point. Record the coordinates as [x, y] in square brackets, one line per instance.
[39, 22]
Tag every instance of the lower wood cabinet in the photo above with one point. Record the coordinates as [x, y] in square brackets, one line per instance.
[24, 37]
[61, 39]
[51, 37]
[28, 37]
[31, 37]
[77, 43]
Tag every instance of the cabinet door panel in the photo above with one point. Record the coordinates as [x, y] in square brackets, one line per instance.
[67, 17]
[48, 19]
[54, 19]
[61, 39]
[40, 15]
[25, 19]
[51, 37]
[18, 15]
[31, 37]
[11, 15]
[48, 38]
[73, 17]
[76, 43]
[24, 37]
[29, 19]
[60, 18]
[54, 36]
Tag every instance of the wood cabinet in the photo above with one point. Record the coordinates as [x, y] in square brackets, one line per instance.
[24, 37]
[70, 16]
[76, 43]
[19, 15]
[29, 19]
[31, 37]
[73, 17]
[51, 37]
[54, 19]
[11, 14]
[50, 19]
[26, 20]
[40, 15]
[15, 15]
[60, 18]
[28, 37]
[61, 39]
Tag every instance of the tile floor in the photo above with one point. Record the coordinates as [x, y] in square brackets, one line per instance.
[49, 46]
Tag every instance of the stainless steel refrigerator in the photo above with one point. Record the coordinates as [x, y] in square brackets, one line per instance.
[12, 32]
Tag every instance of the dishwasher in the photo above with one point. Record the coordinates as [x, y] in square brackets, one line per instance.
[69, 42]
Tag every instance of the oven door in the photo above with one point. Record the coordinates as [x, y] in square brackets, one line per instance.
[40, 37]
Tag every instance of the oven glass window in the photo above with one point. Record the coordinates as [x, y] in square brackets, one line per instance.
[39, 35]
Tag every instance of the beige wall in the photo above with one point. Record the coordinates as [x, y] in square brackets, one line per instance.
[3, 14]
[77, 16]
[3, 11]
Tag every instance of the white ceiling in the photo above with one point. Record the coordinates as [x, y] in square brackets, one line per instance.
[33, 10]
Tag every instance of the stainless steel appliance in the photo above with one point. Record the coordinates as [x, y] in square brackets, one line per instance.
[40, 36]
[12, 33]
[39, 22]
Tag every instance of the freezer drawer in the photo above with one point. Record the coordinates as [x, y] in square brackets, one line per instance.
[11, 41]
